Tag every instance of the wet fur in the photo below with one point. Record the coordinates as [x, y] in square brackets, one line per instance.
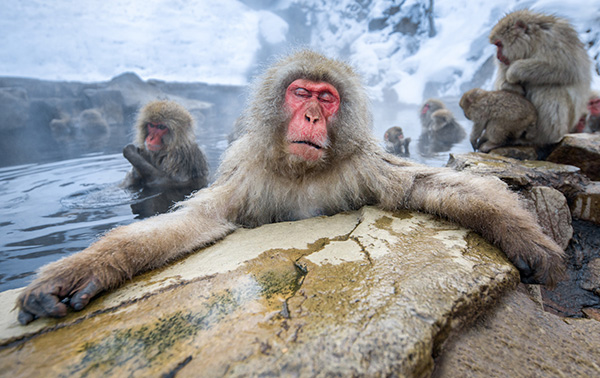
[180, 163]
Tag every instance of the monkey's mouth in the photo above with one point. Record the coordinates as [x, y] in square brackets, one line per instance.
[311, 144]
[306, 150]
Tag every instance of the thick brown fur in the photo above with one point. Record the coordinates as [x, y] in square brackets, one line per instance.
[180, 163]
[439, 129]
[545, 57]
[260, 183]
[499, 118]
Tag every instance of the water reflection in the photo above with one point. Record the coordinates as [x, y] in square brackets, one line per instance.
[48, 211]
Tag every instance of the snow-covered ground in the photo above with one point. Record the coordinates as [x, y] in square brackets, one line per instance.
[216, 41]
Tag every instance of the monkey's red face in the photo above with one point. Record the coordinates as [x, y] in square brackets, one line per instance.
[156, 132]
[312, 105]
[499, 54]
[424, 109]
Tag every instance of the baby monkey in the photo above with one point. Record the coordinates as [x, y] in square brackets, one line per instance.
[500, 118]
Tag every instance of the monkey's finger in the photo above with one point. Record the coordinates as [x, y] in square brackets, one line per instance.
[42, 304]
[82, 297]
[25, 317]
[526, 272]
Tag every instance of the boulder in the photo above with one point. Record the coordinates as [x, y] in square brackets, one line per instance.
[552, 213]
[580, 150]
[586, 205]
[518, 339]
[364, 293]
[524, 174]
[14, 108]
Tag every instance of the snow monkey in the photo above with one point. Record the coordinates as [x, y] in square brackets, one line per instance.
[543, 54]
[593, 117]
[499, 117]
[165, 154]
[307, 150]
[439, 128]
[395, 142]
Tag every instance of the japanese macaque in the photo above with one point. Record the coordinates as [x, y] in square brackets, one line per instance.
[543, 55]
[439, 129]
[499, 118]
[165, 153]
[307, 150]
[593, 117]
[395, 142]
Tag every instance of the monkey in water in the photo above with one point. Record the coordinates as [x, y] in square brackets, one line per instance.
[593, 117]
[307, 150]
[542, 54]
[165, 154]
[395, 142]
[499, 118]
[439, 129]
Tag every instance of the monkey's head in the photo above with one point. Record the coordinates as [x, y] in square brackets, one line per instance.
[519, 33]
[441, 118]
[427, 110]
[469, 98]
[307, 112]
[162, 124]
[394, 135]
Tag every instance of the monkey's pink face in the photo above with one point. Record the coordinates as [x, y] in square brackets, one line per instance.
[424, 109]
[499, 53]
[311, 105]
[156, 132]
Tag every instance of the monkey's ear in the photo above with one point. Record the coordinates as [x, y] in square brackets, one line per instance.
[521, 25]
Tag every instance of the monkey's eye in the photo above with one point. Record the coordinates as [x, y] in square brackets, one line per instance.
[302, 92]
[327, 97]
[161, 127]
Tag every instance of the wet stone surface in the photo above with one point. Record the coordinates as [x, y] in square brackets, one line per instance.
[363, 293]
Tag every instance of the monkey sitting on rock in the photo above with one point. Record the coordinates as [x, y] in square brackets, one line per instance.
[543, 56]
[165, 154]
[499, 118]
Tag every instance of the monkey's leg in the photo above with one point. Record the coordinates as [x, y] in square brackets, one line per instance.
[118, 256]
[484, 204]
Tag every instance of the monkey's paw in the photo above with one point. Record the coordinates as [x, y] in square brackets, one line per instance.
[49, 298]
[548, 270]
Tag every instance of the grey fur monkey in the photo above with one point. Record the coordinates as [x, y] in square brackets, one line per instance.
[307, 150]
[499, 118]
[439, 128]
[165, 153]
[543, 55]
[395, 142]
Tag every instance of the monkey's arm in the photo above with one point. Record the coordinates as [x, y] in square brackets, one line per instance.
[540, 72]
[143, 166]
[484, 204]
[123, 253]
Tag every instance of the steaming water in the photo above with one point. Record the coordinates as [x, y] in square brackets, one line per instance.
[51, 210]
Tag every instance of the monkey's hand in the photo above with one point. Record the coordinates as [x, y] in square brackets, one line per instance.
[145, 169]
[49, 298]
